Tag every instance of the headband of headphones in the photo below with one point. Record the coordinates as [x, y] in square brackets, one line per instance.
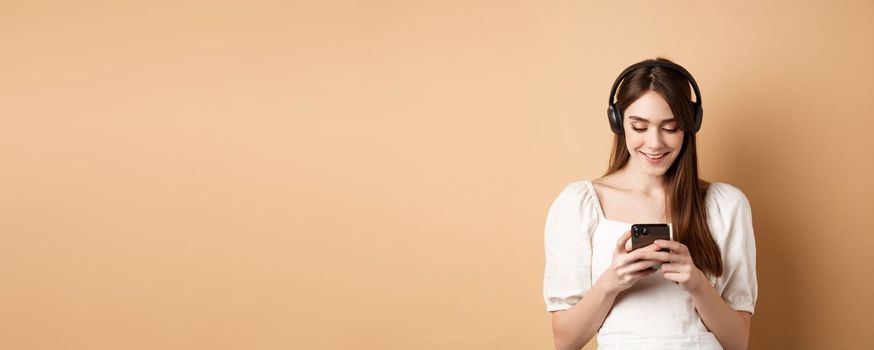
[615, 115]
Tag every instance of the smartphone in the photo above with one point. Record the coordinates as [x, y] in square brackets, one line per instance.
[643, 235]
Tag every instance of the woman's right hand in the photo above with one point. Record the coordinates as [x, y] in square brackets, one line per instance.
[627, 267]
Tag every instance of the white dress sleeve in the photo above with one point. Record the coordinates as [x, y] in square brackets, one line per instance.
[568, 247]
[733, 225]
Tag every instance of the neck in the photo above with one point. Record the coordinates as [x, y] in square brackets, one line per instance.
[641, 182]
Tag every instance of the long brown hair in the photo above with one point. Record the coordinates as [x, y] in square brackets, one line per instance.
[685, 191]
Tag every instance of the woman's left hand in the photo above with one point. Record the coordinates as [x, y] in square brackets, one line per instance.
[678, 265]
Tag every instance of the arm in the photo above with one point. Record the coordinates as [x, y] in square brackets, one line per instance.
[731, 327]
[727, 307]
[573, 328]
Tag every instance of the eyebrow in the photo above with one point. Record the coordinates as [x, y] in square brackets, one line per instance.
[634, 117]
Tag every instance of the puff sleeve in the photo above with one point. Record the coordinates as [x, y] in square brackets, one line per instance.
[738, 284]
[568, 247]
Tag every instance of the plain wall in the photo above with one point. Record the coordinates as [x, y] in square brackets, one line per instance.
[376, 174]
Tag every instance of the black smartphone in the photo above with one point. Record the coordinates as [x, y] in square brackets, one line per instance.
[643, 235]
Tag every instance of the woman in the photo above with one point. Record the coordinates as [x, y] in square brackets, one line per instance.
[703, 293]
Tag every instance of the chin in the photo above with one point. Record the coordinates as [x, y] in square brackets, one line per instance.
[654, 171]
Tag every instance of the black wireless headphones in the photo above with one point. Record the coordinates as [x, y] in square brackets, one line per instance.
[614, 114]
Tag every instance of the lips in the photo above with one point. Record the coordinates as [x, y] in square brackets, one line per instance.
[654, 158]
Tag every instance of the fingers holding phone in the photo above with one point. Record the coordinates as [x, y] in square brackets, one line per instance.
[628, 265]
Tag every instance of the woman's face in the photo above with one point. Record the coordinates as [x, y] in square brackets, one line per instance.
[651, 134]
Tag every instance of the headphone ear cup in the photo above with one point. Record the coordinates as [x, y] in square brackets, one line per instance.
[614, 116]
[699, 115]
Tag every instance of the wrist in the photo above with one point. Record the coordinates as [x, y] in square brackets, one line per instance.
[699, 282]
[610, 290]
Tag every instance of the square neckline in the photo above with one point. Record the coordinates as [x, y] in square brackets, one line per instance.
[601, 210]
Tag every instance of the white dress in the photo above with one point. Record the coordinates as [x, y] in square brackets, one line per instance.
[655, 313]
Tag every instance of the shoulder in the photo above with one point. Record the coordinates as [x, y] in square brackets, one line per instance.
[577, 193]
[573, 213]
[726, 204]
[576, 188]
[576, 199]
[725, 195]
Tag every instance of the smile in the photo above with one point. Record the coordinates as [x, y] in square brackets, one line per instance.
[654, 158]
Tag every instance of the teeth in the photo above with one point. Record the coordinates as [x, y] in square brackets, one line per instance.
[654, 156]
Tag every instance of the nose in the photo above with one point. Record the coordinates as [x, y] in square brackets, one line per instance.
[654, 139]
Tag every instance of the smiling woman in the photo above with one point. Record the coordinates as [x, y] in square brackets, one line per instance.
[702, 293]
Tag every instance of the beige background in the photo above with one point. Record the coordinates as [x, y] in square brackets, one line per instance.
[376, 174]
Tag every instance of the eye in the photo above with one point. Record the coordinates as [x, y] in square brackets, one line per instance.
[670, 130]
[637, 129]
